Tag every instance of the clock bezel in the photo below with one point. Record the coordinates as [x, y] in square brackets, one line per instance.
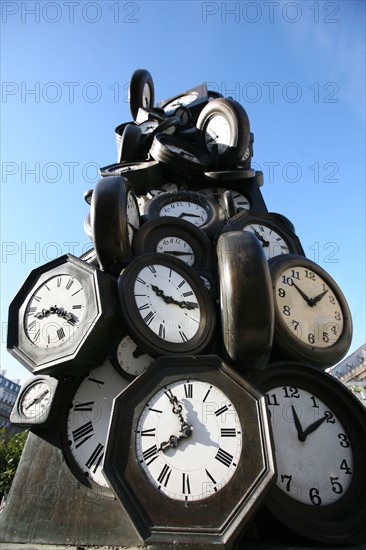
[218, 517]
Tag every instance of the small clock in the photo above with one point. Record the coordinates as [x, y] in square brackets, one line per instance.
[64, 318]
[189, 453]
[130, 358]
[201, 211]
[85, 422]
[179, 155]
[176, 237]
[166, 306]
[312, 318]
[141, 91]
[223, 130]
[319, 432]
[194, 99]
[115, 218]
[246, 300]
[38, 401]
[275, 237]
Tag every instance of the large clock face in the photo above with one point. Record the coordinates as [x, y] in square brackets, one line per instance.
[167, 303]
[54, 311]
[313, 452]
[309, 307]
[189, 440]
[88, 420]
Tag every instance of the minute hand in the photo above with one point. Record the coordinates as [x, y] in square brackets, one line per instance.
[171, 300]
[308, 300]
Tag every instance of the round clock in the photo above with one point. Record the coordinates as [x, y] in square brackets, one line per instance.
[151, 128]
[179, 155]
[141, 91]
[201, 211]
[115, 218]
[86, 422]
[188, 448]
[223, 131]
[176, 237]
[166, 306]
[37, 402]
[319, 431]
[130, 358]
[312, 318]
[246, 300]
[274, 236]
[64, 318]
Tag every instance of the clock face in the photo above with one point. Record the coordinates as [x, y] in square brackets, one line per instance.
[217, 131]
[167, 303]
[146, 96]
[178, 247]
[132, 215]
[186, 210]
[88, 419]
[309, 307]
[54, 311]
[272, 242]
[165, 187]
[35, 399]
[216, 193]
[313, 452]
[130, 358]
[189, 440]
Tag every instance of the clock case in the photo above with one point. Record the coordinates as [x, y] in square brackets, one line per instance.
[344, 521]
[219, 519]
[99, 330]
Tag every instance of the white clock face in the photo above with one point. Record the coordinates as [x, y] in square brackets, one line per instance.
[163, 189]
[132, 215]
[167, 303]
[309, 307]
[175, 246]
[186, 210]
[146, 96]
[272, 243]
[131, 359]
[88, 419]
[35, 399]
[313, 453]
[218, 132]
[216, 193]
[192, 455]
[55, 311]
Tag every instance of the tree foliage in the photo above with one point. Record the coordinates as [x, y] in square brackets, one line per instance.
[11, 448]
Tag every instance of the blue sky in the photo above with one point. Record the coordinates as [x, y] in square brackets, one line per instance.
[298, 68]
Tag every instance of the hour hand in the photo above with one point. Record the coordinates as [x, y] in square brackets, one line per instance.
[314, 426]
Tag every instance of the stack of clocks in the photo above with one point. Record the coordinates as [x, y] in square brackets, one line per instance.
[195, 334]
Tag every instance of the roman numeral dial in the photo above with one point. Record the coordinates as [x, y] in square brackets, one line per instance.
[189, 465]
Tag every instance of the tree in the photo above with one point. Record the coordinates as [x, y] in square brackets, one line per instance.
[11, 448]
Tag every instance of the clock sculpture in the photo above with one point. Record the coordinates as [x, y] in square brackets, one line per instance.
[178, 386]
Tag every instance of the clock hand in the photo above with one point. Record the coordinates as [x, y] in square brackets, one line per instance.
[137, 353]
[300, 433]
[314, 426]
[188, 214]
[308, 300]
[60, 312]
[319, 297]
[185, 428]
[170, 300]
[37, 399]
[261, 238]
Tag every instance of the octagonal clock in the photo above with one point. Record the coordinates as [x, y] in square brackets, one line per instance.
[64, 318]
[189, 451]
